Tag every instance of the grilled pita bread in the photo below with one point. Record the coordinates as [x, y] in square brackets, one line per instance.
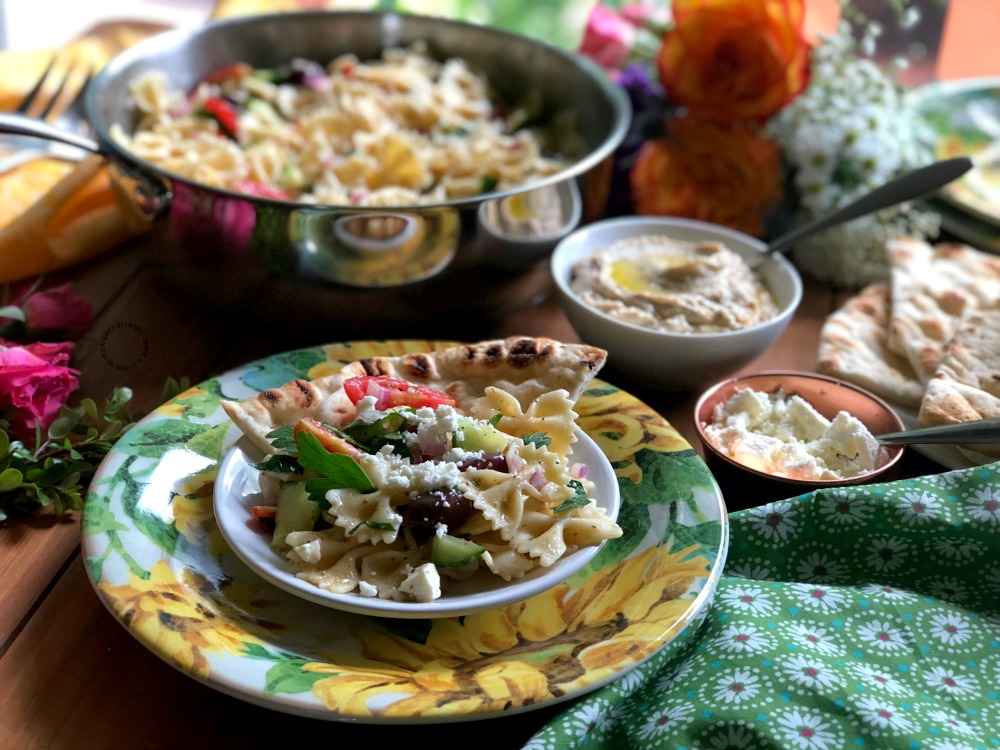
[852, 346]
[966, 385]
[523, 366]
[932, 289]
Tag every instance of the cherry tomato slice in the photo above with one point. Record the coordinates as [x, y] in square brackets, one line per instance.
[391, 392]
[234, 71]
[265, 516]
[224, 115]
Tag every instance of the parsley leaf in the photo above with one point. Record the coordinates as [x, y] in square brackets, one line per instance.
[280, 464]
[578, 500]
[537, 438]
[378, 525]
[283, 439]
[343, 470]
[495, 419]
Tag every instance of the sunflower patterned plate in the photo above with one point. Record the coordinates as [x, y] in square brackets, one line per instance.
[158, 561]
[964, 117]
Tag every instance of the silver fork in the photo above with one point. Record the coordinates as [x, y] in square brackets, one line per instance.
[50, 106]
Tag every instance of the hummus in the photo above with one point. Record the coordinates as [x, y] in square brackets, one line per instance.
[785, 436]
[670, 285]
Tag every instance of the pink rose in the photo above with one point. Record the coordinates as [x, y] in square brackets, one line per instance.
[34, 384]
[60, 310]
[608, 37]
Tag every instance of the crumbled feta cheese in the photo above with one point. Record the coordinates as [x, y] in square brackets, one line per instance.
[366, 589]
[423, 584]
[788, 437]
[309, 552]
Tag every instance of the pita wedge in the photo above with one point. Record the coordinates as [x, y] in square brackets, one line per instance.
[966, 385]
[932, 288]
[852, 346]
[523, 366]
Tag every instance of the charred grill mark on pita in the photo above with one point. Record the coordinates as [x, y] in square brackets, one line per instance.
[305, 392]
[493, 353]
[371, 366]
[525, 352]
[418, 365]
[271, 396]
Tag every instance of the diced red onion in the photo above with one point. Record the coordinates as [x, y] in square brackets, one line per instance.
[538, 480]
[315, 81]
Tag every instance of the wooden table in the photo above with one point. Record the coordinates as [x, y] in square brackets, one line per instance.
[73, 677]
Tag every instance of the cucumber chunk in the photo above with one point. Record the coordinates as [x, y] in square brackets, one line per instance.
[480, 436]
[296, 512]
[451, 552]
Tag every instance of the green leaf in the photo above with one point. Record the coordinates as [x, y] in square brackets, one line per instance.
[4, 443]
[163, 535]
[200, 404]
[537, 438]
[10, 479]
[280, 464]
[209, 443]
[99, 519]
[89, 408]
[14, 312]
[43, 496]
[377, 525]
[287, 676]
[705, 536]
[343, 470]
[256, 651]
[155, 439]
[579, 499]
[118, 399]
[283, 439]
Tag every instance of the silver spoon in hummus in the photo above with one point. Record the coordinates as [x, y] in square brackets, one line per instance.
[909, 186]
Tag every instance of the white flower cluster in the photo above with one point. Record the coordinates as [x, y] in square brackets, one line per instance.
[847, 133]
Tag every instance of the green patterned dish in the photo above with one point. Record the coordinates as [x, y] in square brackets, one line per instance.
[159, 563]
[964, 117]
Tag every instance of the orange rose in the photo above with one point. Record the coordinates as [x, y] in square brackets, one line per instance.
[703, 170]
[735, 59]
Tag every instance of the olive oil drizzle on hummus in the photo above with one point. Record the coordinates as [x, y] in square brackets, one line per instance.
[667, 284]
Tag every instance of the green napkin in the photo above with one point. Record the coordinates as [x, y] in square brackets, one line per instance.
[853, 617]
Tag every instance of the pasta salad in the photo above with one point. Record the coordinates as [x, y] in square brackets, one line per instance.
[403, 129]
[410, 492]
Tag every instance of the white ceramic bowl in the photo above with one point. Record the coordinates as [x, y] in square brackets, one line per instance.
[237, 491]
[666, 360]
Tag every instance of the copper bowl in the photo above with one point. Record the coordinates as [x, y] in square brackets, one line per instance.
[828, 396]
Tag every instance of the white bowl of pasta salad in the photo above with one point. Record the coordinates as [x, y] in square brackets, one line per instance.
[426, 511]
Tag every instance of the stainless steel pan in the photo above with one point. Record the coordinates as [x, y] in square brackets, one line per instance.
[426, 266]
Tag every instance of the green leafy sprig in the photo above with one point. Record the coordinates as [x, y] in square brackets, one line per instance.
[56, 468]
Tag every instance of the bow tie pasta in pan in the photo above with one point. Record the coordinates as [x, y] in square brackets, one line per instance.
[399, 474]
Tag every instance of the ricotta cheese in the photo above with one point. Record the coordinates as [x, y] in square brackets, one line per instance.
[786, 436]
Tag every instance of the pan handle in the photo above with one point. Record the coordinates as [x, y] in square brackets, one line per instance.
[149, 194]
[20, 125]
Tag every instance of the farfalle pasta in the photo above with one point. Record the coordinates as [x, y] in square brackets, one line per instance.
[399, 488]
[403, 129]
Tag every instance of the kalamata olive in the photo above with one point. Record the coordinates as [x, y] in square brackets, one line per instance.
[494, 461]
[298, 70]
[424, 512]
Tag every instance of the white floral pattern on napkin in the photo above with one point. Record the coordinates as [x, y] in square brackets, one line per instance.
[860, 616]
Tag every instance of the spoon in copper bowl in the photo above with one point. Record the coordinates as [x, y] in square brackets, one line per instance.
[975, 431]
[907, 187]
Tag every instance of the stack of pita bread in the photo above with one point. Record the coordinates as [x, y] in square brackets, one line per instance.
[928, 338]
